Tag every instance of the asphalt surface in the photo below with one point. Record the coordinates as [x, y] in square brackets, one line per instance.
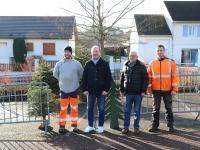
[27, 136]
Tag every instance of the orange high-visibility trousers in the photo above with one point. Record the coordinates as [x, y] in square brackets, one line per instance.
[64, 102]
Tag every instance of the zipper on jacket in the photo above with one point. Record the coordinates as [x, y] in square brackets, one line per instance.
[160, 76]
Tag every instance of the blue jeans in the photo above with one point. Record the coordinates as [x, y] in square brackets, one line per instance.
[137, 100]
[101, 108]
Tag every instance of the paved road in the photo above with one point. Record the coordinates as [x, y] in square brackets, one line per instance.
[26, 135]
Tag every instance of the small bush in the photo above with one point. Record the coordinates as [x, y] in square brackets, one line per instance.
[82, 55]
[44, 73]
[37, 95]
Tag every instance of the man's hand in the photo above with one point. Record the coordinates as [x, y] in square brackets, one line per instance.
[142, 94]
[150, 93]
[104, 93]
[86, 93]
[173, 93]
[121, 94]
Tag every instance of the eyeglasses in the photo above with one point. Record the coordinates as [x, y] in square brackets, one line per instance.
[132, 55]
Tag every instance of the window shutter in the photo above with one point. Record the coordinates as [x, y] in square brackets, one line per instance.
[29, 46]
[48, 48]
[52, 49]
[185, 30]
[45, 49]
[198, 30]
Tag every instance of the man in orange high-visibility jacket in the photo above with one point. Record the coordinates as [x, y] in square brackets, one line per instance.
[68, 71]
[163, 82]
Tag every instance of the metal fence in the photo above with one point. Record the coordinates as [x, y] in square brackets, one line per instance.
[5, 67]
[52, 63]
[16, 77]
[187, 99]
[24, 103]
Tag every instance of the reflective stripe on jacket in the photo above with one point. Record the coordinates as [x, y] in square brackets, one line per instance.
[163, 75]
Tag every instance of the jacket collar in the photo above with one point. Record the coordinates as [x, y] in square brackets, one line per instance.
[136, 64]
[161, 59]
[99, 61]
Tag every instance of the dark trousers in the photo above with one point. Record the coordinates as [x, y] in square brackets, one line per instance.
[167, 98]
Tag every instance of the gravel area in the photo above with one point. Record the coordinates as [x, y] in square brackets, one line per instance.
[27, 135]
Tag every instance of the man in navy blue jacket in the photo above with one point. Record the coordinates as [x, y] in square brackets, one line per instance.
[96, 84]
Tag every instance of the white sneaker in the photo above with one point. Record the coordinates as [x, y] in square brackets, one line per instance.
[88, 129]
[100, 129]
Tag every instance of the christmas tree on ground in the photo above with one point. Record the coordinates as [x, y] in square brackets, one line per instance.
[113, 110]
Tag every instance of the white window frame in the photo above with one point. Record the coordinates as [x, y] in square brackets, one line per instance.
[189, 61]
[192, 30]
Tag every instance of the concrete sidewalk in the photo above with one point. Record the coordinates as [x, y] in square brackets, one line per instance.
[27, 136]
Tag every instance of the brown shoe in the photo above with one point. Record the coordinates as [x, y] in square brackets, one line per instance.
[124, 131]
[136, 130]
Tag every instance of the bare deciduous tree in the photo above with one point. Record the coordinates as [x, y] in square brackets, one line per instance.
[100, 16]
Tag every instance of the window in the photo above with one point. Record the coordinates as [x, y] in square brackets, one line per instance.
[189, 57]
[48, 48]
[29, 46]
[191, 30]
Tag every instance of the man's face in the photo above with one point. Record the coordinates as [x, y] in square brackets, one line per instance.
[95, 52]
[133, 57]
[67, 54]
[160, 52]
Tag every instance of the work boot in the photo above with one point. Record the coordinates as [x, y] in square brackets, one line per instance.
[74, 129]
[124, 131]
[171, 129]
[152, 129]
[62, 131]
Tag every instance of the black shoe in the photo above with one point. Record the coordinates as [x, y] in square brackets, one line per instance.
[171, 129]
[74, 129]
[62, 131]
[153, 129]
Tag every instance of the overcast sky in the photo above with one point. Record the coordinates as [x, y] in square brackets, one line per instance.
[51, 8]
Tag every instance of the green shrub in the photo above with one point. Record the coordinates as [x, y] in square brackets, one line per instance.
[82, 55]
[19, 50]
[37, 96]
[44, 73]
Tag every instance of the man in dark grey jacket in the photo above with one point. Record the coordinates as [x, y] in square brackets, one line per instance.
[133, 82]
[96, 84]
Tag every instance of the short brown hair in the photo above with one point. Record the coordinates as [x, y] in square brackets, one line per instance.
[161, 46]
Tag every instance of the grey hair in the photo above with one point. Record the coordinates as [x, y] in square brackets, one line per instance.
[135, 52]
[95, 46]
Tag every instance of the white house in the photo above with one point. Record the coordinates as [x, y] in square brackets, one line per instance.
[148, 32]
[44, 36]
[177, 28]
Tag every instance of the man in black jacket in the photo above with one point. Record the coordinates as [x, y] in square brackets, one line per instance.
[96, 84]
[133, 82]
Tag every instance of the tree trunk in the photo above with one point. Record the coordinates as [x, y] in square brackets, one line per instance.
[102, 49]
[44, 119]
[42, 126]
[114, 124]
